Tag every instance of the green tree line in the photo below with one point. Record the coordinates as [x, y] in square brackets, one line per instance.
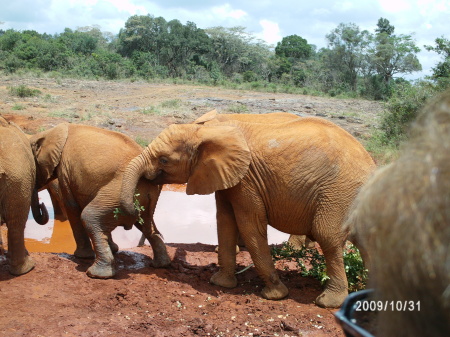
[356, 63]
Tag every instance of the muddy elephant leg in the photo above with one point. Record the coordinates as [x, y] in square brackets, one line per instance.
[332, 245]
[142, 240]
[103, 266]
[84, 248]
[19, 260]
[227, 233]
[114, 246]
[56, 197]
[300, 241]
[161, 258]
[255, 238]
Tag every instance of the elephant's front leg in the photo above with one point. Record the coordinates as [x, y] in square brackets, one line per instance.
[227, 236]
[103, 266]
[252, 226]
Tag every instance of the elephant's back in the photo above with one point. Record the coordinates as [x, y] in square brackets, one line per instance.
[96, 154]
[14, 147]
[17, 169]
[102, 143]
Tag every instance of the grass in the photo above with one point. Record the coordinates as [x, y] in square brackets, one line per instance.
[18, 106]
[23, 91]
[167, 107]
[141, 141]
[62, 114]
[238, 108]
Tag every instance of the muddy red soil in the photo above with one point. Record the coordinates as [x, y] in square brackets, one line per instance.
[57, 298]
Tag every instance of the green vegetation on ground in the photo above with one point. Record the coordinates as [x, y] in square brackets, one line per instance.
[311, 263]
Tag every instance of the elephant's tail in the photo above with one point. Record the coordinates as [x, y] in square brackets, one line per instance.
[40, 213]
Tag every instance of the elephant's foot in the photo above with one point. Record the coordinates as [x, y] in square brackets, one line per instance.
[84, 253]
[114, 247]
[224, 279]
[161, 260]
[274, 289]
[101, 271]
[333, 296]
[23, 268]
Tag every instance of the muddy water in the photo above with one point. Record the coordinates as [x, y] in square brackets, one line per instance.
[180, 219]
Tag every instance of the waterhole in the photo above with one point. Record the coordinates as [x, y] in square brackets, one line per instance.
[179, 217]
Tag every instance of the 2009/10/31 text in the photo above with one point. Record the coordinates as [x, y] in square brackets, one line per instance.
[387, 305]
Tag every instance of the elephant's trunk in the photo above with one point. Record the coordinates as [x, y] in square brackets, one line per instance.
[137, 167]
[40, 213]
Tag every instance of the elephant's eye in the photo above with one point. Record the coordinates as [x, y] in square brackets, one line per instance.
[163, 160]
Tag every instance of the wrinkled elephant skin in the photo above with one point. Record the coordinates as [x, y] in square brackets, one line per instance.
[88, 163]
[299, 176]
[17, 193]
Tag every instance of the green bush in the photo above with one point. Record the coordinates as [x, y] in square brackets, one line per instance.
[401, 109]
[312, 263]
[23, 91]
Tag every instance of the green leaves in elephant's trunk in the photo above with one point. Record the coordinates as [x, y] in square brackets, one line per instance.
[40, 213]
[133, 172]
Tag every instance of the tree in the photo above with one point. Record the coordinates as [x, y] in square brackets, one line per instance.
[181, 45]
[293, 46]
[236, 51]
[383, 26]
[394, 54]
[142, 33]
[347, 49]
[78, 42]
[441, 73]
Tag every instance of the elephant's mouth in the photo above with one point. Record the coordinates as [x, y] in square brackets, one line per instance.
[158, 178]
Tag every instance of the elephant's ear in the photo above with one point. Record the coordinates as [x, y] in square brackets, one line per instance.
[223, 158]
[206, 117]
[47, 148]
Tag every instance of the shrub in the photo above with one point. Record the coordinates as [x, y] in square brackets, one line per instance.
[402, 109]
[312, 263]
[238, 108]
[23, 91]
[250, 76]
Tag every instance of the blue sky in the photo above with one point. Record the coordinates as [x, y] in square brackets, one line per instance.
[267, 20]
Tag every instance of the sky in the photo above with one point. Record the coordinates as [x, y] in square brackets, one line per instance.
[266, 20]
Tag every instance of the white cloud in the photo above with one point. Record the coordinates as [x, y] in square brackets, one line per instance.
[271, 32]
[226, 11]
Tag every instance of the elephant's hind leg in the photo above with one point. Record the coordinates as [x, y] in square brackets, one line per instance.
[84, 248]
[332, 245]
[161, 258]
[103, 266]
[19, 260]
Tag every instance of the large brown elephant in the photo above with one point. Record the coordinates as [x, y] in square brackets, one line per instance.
[300, 177]
[17, 193]
[89, 163]
[213, 117]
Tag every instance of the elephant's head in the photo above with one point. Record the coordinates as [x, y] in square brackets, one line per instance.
[47, 148]
[207, 158]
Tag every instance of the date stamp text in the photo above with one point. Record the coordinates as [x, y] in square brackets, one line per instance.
[387, 306]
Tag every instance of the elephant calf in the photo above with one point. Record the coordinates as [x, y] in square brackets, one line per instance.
[89, 163]
[17, 193]
[299, 176]
[401, 218]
